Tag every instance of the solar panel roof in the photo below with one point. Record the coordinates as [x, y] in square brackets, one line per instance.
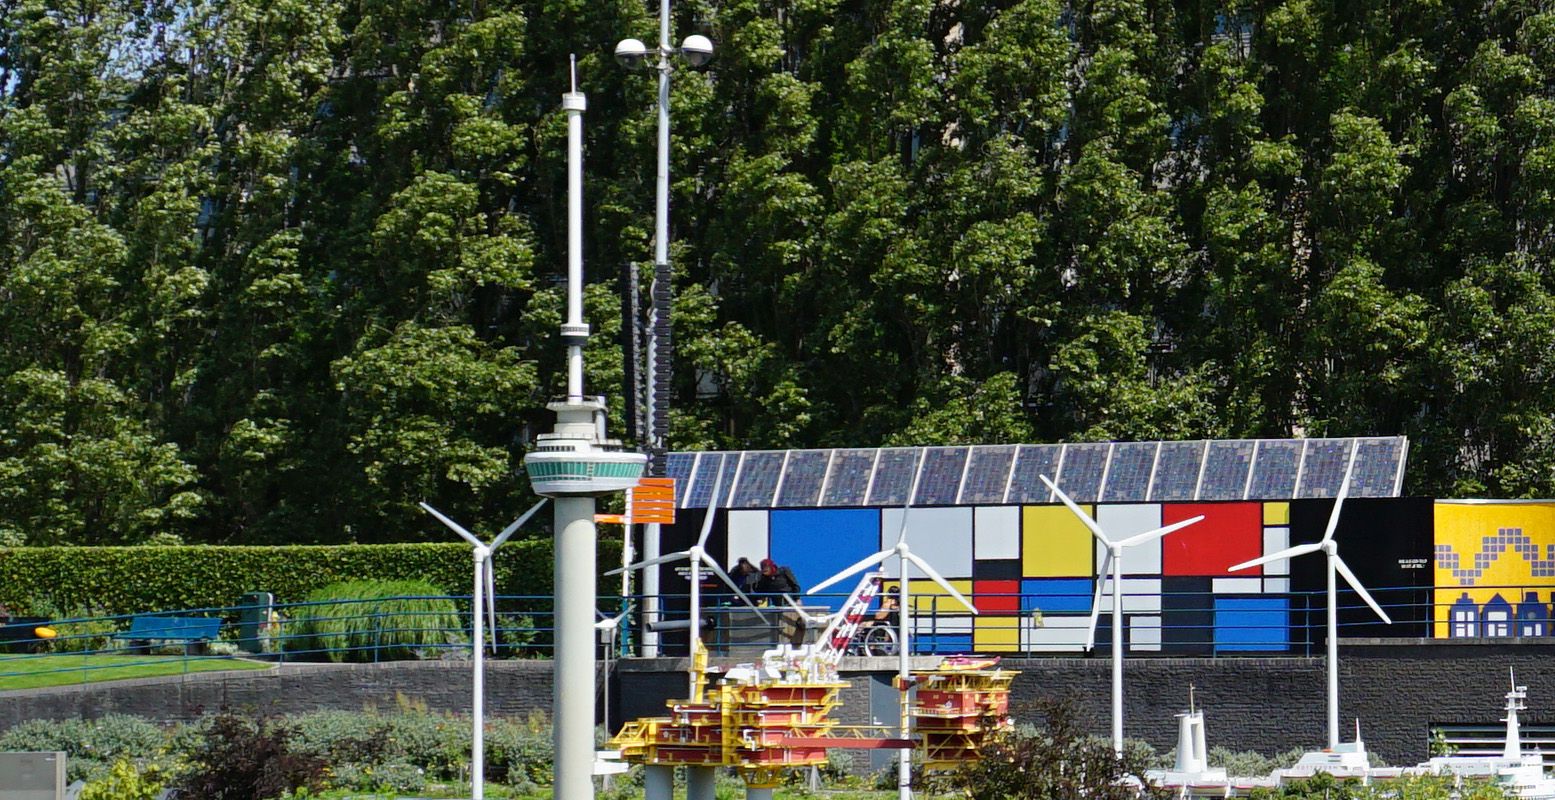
[1121, 472]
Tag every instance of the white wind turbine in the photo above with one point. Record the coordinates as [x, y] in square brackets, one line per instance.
[905, 557]
[1336, 565]
[1113, 559]
[483, 597]
[697, 557]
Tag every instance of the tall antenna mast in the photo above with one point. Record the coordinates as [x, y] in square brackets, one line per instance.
[574, 464]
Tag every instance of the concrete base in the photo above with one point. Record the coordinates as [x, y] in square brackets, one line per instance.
[752, 793]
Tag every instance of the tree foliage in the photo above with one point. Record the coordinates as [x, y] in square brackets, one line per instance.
[275, 271]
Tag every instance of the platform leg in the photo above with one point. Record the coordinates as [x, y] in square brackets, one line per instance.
[699, 782]
[658, 783]
[753, 793]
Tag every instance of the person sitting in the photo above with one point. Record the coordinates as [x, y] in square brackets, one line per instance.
[776, 580]
[890, 608]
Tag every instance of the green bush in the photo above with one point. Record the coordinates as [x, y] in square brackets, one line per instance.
[91, 745]
[373, 620]
[131, 580]
[90, 631]
[125, 781]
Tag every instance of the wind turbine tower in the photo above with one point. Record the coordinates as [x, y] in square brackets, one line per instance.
[574, 464]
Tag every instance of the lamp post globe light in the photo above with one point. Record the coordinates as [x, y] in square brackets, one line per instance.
[696, 50]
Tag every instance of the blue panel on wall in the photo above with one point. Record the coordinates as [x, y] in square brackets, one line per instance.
[1225, 470]
[1128, 478]
[942, 644]
[893, 476]
[817, 543]
[1033, 461]
[1376, 467]
[1058, 595]
[1245, 624]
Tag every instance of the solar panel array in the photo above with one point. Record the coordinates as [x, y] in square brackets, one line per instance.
[1117, 472]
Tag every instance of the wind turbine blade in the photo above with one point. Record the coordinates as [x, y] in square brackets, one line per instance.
[853, 570]
[712, 564]
[652, 562]
[1101, 580]
[491, 601]
[1289, 552]
[803, 614]
[1344, 491]
[940, 579]
[1158, 532]
[517, 523]
[1084, 517]
[1355, 583]
[453, 526]
[712, 504]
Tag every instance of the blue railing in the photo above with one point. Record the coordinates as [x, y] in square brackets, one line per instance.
[1207, 623]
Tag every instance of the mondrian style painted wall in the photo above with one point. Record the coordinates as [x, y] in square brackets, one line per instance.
[1494, 568]
[1032, 568]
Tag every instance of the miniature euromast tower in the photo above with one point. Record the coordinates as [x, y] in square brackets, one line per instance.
[573, 465]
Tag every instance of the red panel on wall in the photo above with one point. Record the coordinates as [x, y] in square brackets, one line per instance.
[1230, 533]
[997, 597]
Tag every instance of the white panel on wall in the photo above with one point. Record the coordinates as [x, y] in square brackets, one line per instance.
[1236, 585]
[1276, 585]
[1275, 540]
[944, 625]
[1144, 633]
[996, 532]
[1139, 594]
[747, 536]
[940, 536]
[1057, 635]
[1123, 521]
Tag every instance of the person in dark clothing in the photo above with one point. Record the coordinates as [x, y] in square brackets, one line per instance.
[775, 579]
[745, 575]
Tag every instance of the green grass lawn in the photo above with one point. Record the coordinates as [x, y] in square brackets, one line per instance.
[33, 671]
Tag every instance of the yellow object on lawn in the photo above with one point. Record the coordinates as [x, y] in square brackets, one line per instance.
[45, 632]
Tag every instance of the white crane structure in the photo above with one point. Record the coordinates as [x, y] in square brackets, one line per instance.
[1114, 560]
[906, 559]
[483, 598]
[1336, 567]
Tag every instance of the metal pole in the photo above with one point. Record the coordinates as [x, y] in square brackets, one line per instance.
[478, 682]
[1117, 650]
[696, 622]
[1333, 655]
[658, 328]
[903, 675]
[574, 681]
[650, 606]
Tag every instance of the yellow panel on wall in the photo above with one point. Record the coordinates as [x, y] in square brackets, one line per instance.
[1486, 549]
[1276, 513]
[1054, 543]
[997, 634]
[928, 597]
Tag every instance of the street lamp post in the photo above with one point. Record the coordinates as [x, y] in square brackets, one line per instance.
[697, 50]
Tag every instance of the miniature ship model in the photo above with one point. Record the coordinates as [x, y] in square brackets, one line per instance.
[764, 718]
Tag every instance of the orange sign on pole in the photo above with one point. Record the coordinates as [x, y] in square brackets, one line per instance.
[653, 501]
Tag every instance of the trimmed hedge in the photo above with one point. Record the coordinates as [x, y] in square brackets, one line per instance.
[130, 580]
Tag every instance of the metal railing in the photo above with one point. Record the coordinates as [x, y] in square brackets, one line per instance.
[1173, 623]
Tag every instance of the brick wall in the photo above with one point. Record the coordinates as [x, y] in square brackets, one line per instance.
[1398, 688]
